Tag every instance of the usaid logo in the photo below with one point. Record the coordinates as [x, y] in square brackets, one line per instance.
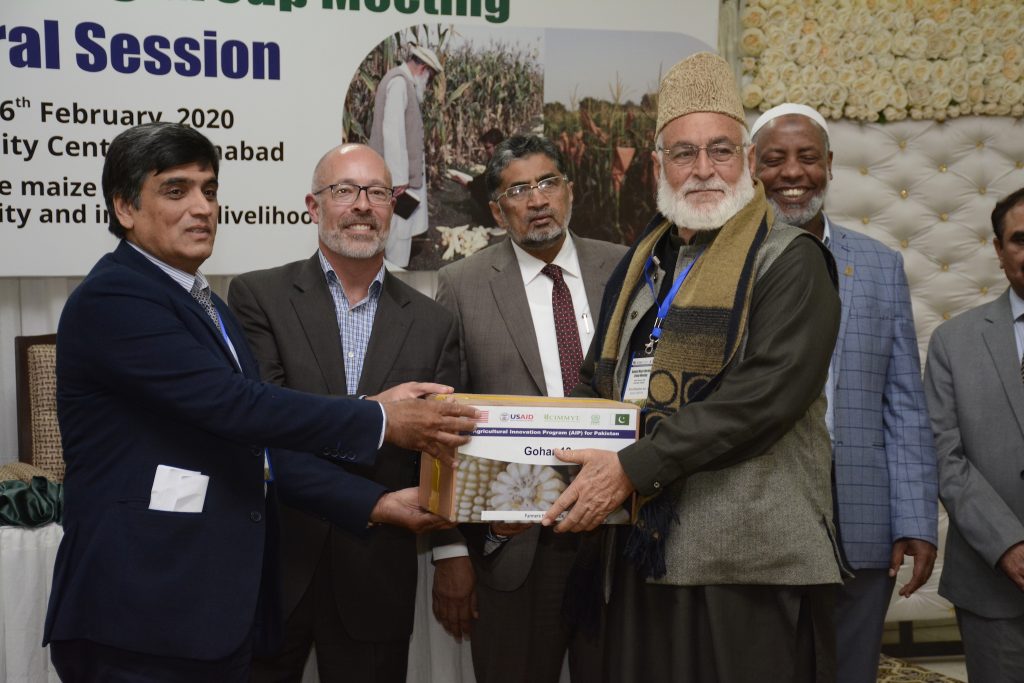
[517, 417]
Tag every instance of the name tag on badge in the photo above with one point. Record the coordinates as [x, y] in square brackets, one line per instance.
[639, 380]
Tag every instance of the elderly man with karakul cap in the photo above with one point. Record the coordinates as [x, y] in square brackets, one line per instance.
[720, 323]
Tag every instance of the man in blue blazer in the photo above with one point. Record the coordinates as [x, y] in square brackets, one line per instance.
[166, 569]
[883, 451]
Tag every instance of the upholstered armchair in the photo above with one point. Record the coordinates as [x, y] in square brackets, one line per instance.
[38, 432]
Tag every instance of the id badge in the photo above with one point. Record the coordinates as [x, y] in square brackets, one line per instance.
[639, 380]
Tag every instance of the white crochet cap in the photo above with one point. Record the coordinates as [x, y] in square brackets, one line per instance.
[785, 109]
[427, 56]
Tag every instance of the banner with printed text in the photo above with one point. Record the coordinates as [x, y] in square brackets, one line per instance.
[276, 83]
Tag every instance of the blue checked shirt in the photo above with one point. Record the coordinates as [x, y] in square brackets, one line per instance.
[354, 320]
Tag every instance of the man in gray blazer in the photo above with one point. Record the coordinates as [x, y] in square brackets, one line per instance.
[506, 302]
[339, 323]
[974, 382]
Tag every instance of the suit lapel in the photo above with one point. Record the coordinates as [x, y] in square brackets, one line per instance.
[846, 271]
[391, 326]
[590, 263]
[1002, 347]
[514, 309]
[246, 362]
[314, 308]
[233, 331]
[127, 255]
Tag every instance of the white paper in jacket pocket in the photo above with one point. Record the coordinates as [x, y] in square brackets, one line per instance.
[178, 490]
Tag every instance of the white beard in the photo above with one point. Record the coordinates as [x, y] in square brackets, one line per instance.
[801, 217]
[419, 84]
[673, 204]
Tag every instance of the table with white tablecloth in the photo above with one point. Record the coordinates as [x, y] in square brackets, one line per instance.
[26, 571]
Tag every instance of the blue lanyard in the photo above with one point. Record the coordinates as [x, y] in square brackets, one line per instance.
[666, 303]
[227, 340]
[223, 331]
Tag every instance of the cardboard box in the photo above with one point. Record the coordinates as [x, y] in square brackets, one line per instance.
[508, 470]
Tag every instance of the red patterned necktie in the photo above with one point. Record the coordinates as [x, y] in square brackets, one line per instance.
[570, 353]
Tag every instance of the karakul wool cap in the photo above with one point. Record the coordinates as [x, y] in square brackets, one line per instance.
[703, 82]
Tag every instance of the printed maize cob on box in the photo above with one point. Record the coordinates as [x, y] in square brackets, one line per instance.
[508, 470]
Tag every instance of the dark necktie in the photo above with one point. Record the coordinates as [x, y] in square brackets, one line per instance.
[202, 295]
[570, 354]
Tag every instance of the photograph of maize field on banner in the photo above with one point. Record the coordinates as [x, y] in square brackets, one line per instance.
[593, 93]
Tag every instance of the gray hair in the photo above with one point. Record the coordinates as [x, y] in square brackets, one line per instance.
[517, 147]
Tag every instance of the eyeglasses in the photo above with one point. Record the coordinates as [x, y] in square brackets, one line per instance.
[548, 186]
[686, 155]
[347, 193]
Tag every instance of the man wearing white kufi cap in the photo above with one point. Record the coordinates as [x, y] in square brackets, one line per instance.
[719, 322]
[886, 482]
[397, 135]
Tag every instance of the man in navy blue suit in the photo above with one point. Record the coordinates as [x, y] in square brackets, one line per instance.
[883, 452]
[166, 569]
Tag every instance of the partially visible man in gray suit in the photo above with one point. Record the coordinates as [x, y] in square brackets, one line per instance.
[338, 323]
[507, 299]
[974, 382]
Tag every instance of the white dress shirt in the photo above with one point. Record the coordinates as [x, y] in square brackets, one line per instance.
[1017, 315]
[830, 387]
[538, 294]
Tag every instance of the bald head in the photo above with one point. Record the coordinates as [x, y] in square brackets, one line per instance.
[351, 203]
[337, 159]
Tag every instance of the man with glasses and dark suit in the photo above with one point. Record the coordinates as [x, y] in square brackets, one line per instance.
[338, 323]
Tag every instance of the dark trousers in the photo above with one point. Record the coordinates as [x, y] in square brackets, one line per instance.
[719, 634]
[340, 658]
[83, 661]
[521, 635]
[860, 619]
[993, 648]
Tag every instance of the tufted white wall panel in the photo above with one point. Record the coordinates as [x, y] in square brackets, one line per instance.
[927, 189]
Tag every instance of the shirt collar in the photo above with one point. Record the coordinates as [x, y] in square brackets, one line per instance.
[325, 265]
[186, 280]
[826, 235]
[1016, 305]
[530, 266]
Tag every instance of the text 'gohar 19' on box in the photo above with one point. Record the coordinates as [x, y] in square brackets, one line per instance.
[508, 471]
